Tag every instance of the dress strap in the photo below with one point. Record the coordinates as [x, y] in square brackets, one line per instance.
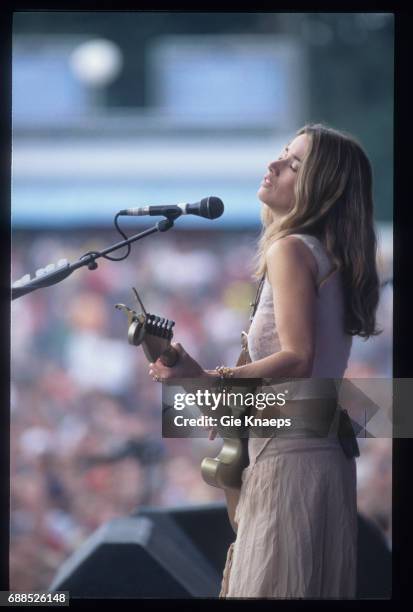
[254, 304]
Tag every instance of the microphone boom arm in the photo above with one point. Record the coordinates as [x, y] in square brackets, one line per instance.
[89, 260]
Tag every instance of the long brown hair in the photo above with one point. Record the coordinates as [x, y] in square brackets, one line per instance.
[334, 202]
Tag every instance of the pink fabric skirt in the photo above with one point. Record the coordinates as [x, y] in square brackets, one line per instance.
[297, 522]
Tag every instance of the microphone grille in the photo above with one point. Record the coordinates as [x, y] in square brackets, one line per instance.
[212, 207]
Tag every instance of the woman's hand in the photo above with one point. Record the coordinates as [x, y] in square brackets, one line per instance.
[185, 367]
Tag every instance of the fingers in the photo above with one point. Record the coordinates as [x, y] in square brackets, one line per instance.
[154, 373]
[182, 369]
[155, 377]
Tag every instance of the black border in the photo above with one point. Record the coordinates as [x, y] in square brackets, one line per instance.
[403, 306]
[5, 241]
[402, 331]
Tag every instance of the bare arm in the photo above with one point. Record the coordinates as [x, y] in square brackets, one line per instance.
[292, 272]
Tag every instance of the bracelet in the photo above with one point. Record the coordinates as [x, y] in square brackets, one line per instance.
[224, 372]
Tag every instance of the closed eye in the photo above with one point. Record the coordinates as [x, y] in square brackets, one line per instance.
[282, 157]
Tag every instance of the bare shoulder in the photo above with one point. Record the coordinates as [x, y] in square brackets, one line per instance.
[291, 253]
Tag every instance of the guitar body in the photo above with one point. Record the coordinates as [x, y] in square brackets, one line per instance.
[225, 470]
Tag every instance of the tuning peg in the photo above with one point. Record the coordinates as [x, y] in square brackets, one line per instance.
[159, 325]
[169, 328]
[164, 328]
[150, 320]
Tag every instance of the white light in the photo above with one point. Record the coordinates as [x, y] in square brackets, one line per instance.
[96, 62]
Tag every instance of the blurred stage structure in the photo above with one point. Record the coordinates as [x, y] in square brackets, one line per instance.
[198, 131]
[181, 552]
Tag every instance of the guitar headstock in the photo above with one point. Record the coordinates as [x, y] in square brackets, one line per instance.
[157, 336]
[153, 332]
[159, 327]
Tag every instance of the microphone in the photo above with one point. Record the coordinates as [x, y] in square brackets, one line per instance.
[209, 208]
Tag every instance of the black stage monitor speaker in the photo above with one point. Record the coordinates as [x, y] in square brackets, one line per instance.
[207, 526]
[137, 557]
[374, 562]
[181, 552]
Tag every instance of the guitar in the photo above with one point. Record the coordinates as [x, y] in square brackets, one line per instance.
[155, 335]
[224, 471]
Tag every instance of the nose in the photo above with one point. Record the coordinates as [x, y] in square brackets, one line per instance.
[275, 166]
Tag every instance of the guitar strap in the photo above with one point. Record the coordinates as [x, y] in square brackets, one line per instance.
[244, 356]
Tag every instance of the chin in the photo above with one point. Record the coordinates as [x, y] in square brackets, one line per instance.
[262, 195]
[273, 206]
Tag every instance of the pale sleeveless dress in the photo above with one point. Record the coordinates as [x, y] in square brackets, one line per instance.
[297, 512]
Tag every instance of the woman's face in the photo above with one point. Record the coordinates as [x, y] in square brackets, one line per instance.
[277, 188]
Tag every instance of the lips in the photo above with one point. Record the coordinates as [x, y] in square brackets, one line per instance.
[266, 182]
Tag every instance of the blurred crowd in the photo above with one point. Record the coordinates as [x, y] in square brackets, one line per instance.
[86, 442]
